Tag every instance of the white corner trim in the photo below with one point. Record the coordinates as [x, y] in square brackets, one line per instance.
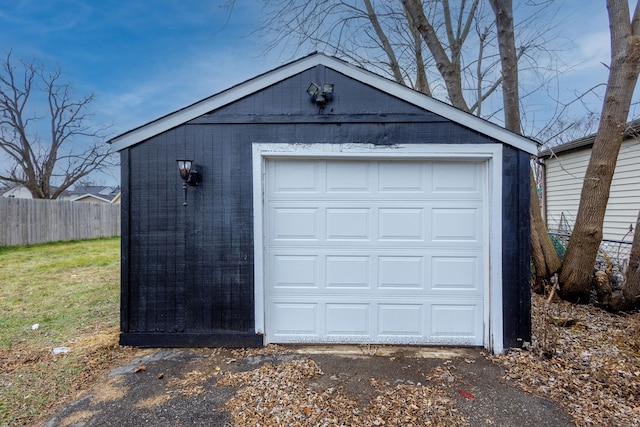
[494, 340]
[258, 166]
[491, 153]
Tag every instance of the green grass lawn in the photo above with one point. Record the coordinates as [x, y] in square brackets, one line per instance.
[71, 290]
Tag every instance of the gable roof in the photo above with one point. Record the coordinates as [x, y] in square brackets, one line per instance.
[88, 196]
[283, 72]
[632, 130]
[100, 191]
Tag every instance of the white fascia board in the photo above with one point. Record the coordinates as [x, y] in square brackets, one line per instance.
[214, 102]
[437, 107]
[251, 86]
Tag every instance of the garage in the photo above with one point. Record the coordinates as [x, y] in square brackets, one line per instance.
[381, 251]
[324, 204]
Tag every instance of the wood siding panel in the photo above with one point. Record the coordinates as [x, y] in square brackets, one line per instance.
[516, 292]
[564, 176]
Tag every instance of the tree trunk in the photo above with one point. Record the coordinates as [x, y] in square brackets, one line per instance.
[503, 12]
[544, 257]
[631, 291]
[576, 275]
[451, 75]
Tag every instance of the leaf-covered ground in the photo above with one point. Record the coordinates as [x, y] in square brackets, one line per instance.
[591, 368]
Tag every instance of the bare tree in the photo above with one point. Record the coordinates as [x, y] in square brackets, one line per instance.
[577, 269]
[385, 37]
[35, 103]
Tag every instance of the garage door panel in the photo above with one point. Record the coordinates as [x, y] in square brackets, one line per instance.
[442, 223]
[344, 272]
[431, 273]
[295, 271]
[375, 252]
[401, 177]
[401, 224]
[397, 272]
[447, 321]
[459, 224]
[348, 320]
[452, 321]
[455, 273]
[295, 223]
[295, 177]
[348, 223]
[456, 178]
[400, 320]
[294, 318]
[348, 177]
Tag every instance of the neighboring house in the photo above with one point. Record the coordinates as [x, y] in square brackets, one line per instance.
[17, 191]
[363, 212]
[95, 194]
[81, 193]
[564, 167]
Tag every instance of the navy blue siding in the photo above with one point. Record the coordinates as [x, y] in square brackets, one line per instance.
[516, 248]
[188, 271]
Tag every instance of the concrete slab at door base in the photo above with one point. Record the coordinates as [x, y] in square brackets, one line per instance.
[345, 350]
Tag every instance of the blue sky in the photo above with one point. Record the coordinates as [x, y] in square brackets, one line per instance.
[141, 58]
[146, 58]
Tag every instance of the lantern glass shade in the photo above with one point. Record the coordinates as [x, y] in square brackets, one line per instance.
[184, 167]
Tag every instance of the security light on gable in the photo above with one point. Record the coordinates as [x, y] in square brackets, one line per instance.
[320, 94]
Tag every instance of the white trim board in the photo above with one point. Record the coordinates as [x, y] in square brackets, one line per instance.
[491, 153]
[279, 74]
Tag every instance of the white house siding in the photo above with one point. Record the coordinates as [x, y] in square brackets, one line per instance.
[18, 192]
[563, 183]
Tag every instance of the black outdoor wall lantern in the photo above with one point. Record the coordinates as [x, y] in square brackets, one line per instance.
[189, 175]
[320, 94]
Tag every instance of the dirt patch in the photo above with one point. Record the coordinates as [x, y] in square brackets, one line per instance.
[77, 418]
[112, 389]
[152, 401]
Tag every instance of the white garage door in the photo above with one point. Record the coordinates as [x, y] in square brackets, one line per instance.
[374, 251]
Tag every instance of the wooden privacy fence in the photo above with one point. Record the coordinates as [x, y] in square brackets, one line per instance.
[28, 222]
